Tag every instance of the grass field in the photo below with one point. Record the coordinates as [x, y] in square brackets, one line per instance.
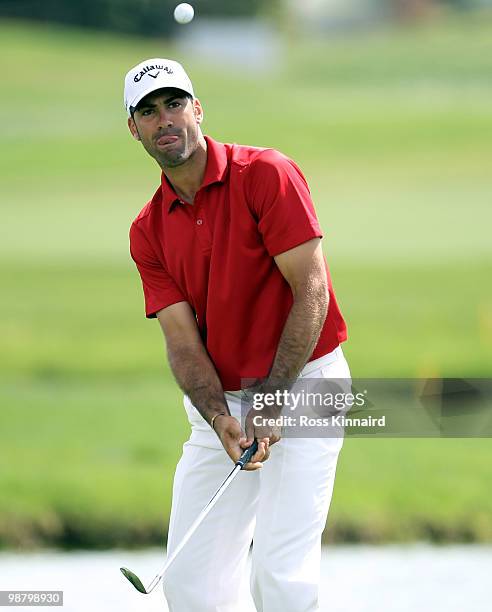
[393, 132]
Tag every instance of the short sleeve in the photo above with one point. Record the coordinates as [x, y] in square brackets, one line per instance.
[159, 288]
[279, 195]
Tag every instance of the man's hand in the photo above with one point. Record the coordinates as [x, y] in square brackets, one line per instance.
[259, 424]
[235, 442]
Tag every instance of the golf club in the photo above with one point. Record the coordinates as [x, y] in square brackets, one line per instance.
[240, 463]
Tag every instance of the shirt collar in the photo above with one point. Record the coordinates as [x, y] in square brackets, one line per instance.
[215, 172]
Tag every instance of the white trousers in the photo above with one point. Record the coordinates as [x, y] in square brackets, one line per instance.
[281, 507]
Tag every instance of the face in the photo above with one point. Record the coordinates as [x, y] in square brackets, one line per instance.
[168, 125]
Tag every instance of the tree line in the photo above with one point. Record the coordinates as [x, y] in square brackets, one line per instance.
[144, 17]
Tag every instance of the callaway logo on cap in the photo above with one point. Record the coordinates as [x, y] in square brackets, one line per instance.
[154, 74]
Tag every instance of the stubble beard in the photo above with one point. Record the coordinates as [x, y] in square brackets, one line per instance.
[180, 156]
[171, 159]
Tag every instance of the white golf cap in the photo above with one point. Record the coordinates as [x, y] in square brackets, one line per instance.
[154, 74]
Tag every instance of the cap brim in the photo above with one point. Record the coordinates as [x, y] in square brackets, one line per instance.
[152, 88]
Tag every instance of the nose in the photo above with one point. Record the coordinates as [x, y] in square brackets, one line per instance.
[164, 118]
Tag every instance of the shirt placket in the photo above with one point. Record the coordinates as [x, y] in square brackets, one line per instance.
[202, 226]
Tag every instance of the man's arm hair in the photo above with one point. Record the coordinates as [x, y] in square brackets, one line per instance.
[197, 377]
[304, 269]
[190, 362]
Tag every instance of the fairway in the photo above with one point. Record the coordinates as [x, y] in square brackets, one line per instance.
[392, 130]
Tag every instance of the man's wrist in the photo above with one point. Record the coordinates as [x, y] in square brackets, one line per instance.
[218, 414]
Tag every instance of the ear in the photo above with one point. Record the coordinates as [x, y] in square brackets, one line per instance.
[198, 110]
[133, 128]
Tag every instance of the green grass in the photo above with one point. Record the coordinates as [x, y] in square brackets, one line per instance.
[88, 461]
[392, 130]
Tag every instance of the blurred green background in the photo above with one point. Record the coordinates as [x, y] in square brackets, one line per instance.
[392, 127]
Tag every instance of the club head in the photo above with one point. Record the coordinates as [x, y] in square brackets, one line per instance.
[134, 579]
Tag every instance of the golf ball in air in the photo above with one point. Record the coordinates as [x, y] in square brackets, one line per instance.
[184, 13]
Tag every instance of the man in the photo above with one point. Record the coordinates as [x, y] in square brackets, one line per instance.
[229, 254]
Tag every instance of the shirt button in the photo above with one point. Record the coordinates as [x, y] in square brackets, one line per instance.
[199, 221]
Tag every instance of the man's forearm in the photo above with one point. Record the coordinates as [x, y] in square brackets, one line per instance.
[197, 377]
[300, 334]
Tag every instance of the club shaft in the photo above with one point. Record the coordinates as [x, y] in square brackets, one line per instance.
[194, 526]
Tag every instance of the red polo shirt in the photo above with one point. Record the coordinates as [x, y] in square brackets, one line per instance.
[217, 255]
